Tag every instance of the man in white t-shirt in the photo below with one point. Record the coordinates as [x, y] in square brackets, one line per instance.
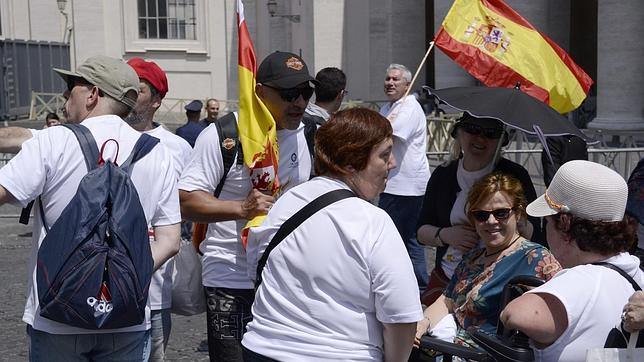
[403, 196]
[152, 88]
[284, 85]
[101, 91]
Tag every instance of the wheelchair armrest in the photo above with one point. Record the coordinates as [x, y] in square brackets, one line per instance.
[453, 349]
[500, 349]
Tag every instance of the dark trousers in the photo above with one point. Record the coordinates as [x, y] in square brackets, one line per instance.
[228, 312]
[404, 211]
[250, 356]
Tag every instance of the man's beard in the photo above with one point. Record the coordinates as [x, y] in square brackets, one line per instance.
[135, 118]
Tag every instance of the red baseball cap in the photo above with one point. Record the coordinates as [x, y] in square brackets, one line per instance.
[150, 72]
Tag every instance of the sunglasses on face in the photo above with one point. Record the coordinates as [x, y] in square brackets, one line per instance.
[475, 129]
[77, 82]
[484, 215]
[291, 94]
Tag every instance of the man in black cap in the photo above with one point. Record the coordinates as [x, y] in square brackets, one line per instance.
[191, 130]
[284, 86]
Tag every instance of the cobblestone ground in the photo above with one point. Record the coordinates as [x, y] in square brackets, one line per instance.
[188, 333]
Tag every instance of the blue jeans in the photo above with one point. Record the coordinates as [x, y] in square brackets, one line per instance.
[122, 347]
[227, 312]
[404, 211]
[161, 324]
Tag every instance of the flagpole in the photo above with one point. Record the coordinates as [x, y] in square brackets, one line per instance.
[422, 63]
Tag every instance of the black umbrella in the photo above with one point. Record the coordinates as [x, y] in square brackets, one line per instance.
[635, 204]
[511, 106]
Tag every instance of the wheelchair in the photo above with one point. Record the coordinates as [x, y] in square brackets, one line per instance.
[506, 345]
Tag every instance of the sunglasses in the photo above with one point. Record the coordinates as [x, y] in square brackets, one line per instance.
[484, 215]
[475, 129]
[73, 82]
[291, 94]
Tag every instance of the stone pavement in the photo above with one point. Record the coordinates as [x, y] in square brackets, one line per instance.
[15, 245]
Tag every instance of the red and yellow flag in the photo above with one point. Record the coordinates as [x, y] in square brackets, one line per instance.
[257, 131]
[500, 48]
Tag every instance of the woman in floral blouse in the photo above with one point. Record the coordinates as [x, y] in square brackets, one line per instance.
[496, 207]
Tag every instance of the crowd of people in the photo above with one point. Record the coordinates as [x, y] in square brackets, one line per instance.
[337, 270]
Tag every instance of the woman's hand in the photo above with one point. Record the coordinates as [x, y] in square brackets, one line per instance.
[421, 328]
[461, 237]
[633, 316]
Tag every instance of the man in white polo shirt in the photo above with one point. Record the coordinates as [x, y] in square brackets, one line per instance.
[403, 196]
[284, 85]
[100, 92]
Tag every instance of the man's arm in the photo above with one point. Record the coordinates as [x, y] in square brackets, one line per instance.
[166, 243]
[12, 138]
[6, 196]
[201, 206]
[398, 340]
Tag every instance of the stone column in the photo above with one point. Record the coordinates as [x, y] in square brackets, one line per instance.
[620, 65]
[446, 72]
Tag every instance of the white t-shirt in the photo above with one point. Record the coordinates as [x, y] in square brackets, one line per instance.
[458, 216]
[224, 260]
[593, 296]
[51, 164]
[411, 174]
[160, 294]
[328, 286]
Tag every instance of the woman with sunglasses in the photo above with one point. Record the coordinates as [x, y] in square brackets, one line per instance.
[496, 207]
[443, 222]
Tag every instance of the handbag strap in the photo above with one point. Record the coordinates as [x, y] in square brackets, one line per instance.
[298, 218]
[621, 272]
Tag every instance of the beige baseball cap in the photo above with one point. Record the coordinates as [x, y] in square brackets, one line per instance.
[112, 76]
[585, 189]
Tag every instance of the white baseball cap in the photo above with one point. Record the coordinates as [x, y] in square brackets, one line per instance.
[585, 189]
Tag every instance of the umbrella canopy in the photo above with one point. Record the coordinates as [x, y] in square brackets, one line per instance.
[511, 106]
[635, 204]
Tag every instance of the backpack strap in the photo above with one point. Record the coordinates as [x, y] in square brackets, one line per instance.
[90, 152]
[621, 272]
[227, 130]
[87, 144]
[142, 147]
[310, 126]
[298, 218]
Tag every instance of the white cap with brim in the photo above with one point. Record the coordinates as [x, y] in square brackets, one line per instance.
[112, 76]
[584, 189]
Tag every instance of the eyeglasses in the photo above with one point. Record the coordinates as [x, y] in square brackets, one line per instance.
[291, 94]
[475, 129]
[484, 215]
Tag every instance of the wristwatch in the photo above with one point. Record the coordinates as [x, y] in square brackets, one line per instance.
[437, 236]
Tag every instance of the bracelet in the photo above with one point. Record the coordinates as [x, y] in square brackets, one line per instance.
[437, 236]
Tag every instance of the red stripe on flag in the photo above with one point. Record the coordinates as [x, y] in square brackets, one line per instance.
[486, 68]
[504, 10]
[246, 52]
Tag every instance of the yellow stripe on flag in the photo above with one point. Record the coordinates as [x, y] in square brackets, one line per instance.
[520, 48]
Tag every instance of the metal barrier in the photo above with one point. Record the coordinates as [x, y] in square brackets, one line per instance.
[43, 103]
[26, 66]
[619, 150]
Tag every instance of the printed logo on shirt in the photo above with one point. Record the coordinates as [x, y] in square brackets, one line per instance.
[294, 163]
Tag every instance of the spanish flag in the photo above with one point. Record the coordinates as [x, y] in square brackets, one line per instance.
[257, 130]
[500, 48]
